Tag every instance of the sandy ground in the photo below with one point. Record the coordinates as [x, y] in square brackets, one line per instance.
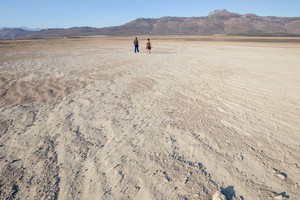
[89, 119]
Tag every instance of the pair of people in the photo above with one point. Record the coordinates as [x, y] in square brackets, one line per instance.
[136, 46]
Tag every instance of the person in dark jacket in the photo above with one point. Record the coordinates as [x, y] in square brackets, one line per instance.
[136, 45]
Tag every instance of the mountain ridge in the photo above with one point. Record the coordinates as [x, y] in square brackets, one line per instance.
[216, 22]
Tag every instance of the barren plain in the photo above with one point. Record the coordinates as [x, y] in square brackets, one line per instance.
[87, 118]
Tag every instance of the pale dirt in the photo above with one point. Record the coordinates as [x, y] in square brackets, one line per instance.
[89, 119]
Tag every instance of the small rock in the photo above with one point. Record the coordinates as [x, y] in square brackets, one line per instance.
[278, 197]
[218, 196]
[166, 177]
[281, 176]
[137, 188]
[14, 190]
[186, 179]
[238, 198]
[15, 160]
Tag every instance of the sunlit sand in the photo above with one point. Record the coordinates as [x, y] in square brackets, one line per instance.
[87, 118]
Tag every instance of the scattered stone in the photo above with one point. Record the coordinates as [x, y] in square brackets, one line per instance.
[118, 165]
[137, 188]
[166, 177]
[238, 198]
[15, 160]
[218, 196]
[186, 179]
[278, 197]
[14, 190]
[281, 176]
[281, 196]
[196, 195]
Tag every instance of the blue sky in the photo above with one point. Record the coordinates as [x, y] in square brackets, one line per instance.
[102, 13]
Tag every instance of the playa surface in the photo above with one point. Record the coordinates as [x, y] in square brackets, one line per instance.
[86, 118]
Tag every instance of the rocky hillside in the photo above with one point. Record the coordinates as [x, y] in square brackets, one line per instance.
[12, 33]
[217, 22]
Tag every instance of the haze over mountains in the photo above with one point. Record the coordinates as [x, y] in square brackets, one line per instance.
[217, 22]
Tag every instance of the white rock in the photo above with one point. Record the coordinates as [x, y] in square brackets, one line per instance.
[278, 197]
[218, 196]
[281, 176]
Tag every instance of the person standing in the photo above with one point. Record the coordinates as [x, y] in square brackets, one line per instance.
[136, 45]
[148, 46]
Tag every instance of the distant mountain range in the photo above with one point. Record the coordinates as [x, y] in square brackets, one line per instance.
[217, 22]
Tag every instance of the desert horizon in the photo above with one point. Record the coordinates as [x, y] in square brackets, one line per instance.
[202, 117]
[217, 22]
